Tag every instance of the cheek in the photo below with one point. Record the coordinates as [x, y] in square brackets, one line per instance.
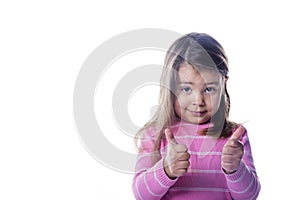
[215, 105]
[215, 102]
[181, 103]
[177, 108]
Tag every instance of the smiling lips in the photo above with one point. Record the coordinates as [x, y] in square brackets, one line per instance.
[198, 113]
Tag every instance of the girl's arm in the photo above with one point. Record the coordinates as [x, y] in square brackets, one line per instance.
[244, 183]
[150, 180]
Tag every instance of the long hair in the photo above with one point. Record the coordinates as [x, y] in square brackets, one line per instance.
[199, 50]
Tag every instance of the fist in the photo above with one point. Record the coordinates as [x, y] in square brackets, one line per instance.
[176, 161]
[233, 152]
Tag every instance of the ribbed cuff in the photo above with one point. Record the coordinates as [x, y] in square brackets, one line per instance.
[236, 176]
[162, 176]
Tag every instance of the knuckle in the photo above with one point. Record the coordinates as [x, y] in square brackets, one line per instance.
[188, 156]
[188, 163]
[181, 147]
[226, 150]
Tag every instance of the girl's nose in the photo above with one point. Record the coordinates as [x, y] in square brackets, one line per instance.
[199, 99]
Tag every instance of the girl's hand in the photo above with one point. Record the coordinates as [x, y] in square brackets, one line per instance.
[233, 152]
[176, 161]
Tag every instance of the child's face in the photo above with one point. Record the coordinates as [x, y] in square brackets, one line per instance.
[198, 94]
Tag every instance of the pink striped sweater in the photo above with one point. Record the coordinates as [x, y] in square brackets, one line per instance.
[204, 179]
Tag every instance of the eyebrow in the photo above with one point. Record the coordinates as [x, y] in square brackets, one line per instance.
[191, 83]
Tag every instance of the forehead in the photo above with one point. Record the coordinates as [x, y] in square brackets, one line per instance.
[187, 73]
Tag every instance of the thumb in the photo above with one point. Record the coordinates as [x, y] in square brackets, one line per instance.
[170, 136]
[238, 133]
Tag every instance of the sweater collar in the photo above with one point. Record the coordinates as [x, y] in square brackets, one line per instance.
[182, 123]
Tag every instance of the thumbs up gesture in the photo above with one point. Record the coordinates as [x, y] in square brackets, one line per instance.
[233, 152]
[176, 161]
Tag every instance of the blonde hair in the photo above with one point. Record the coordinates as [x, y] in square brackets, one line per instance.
[199, 50]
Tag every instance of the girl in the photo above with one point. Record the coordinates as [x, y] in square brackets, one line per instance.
[190, 149]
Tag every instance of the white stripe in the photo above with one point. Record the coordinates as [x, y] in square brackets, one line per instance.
[206, 153]
[147, 186]
[200, 154]
[141, 170]
[251, 168]
[137, 189]
[256, 193]
[148, 153]
[199, 189]
[245, 190]
[147, 139]
[189, 124]
[190, 136]
[182, 124]
[206, 171]
[140, 156]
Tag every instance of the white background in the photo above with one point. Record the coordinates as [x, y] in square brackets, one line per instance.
[42, 48]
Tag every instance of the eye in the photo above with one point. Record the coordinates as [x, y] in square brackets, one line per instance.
[209, 90]
[186, 90]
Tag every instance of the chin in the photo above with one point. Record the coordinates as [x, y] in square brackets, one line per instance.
[197, 121]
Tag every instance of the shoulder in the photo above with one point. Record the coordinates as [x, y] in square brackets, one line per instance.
[149, 133]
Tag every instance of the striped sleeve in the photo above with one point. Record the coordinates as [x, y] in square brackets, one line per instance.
[150, 180]
[244, 183]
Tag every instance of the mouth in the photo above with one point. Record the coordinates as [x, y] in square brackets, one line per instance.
[198, 113]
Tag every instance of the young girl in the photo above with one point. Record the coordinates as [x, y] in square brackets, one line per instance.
[190, 149]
